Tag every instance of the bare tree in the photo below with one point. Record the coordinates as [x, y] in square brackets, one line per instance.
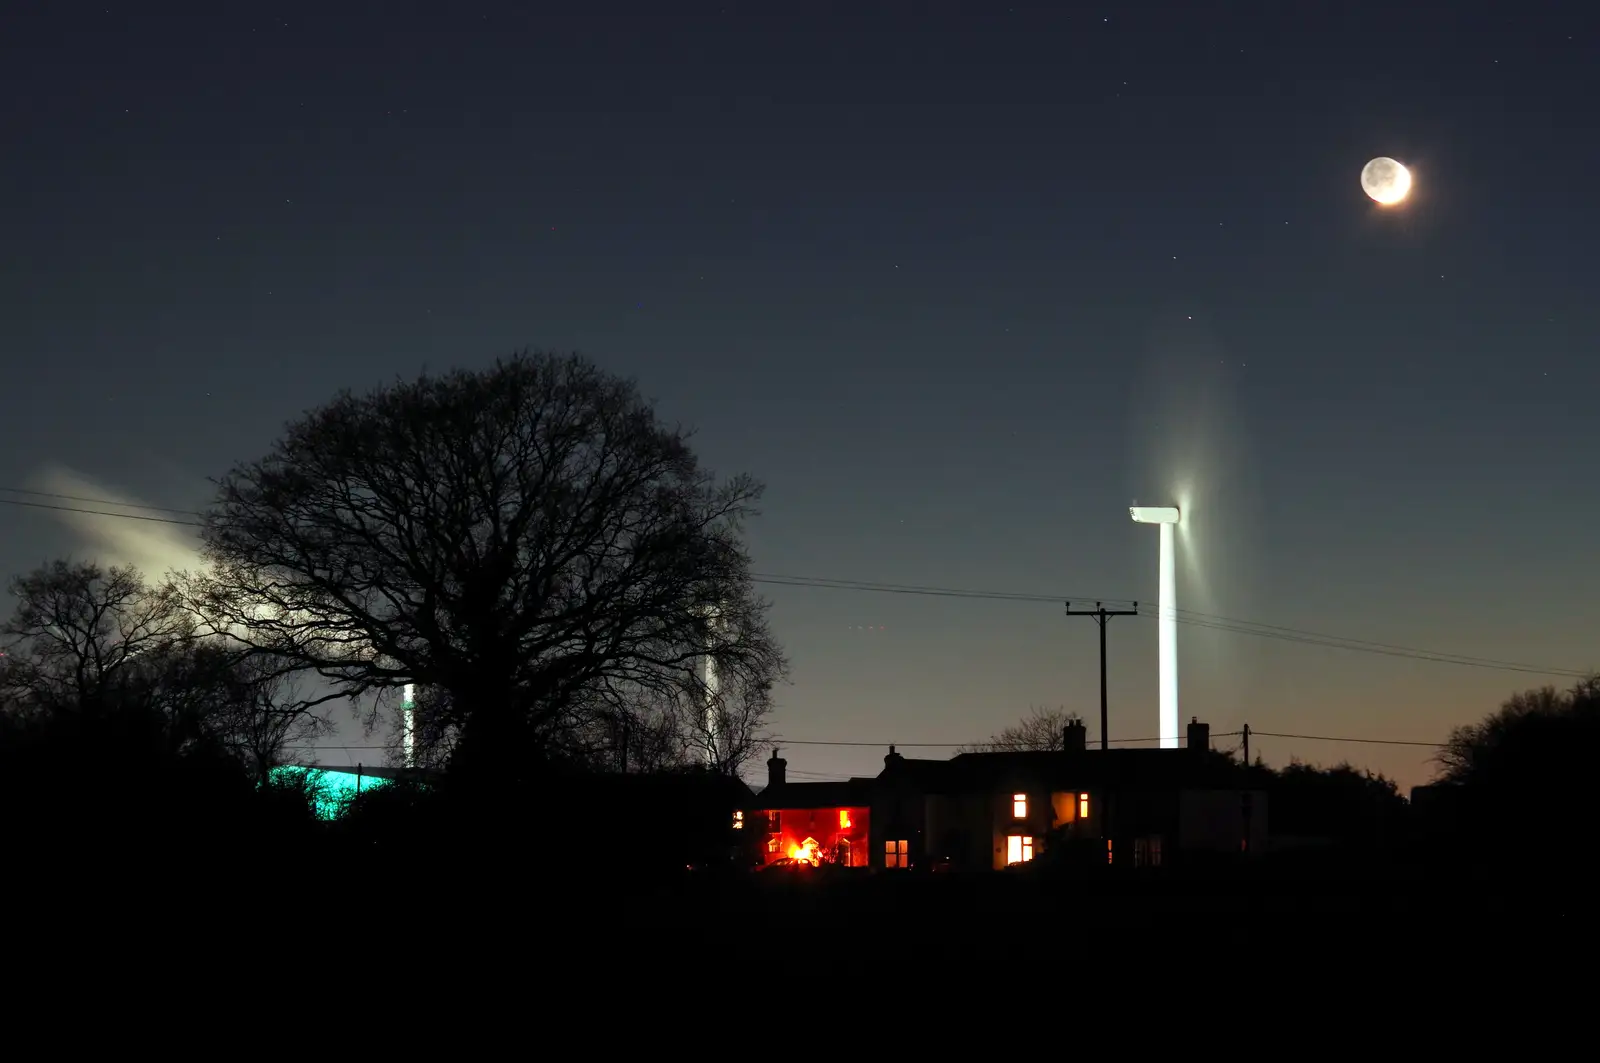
[81, 635]
[258, 713]
[1039, 731]
[99, 642]
[527, 542]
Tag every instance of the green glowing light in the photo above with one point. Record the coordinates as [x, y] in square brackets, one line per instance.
[332, 790]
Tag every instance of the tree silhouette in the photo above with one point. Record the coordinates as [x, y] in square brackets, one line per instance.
[82, 638]
[1522, 773]
[1039, 731]
[1352, 807]
[100, 645]
[121, 727]
[527, 543]
[1527, 741]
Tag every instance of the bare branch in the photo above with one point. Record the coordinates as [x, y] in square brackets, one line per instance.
[1041, 730]
[527, 541]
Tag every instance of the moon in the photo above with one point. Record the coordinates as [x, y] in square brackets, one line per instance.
[1386, 181]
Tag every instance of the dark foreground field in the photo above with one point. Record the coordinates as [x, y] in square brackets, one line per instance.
[915, 906]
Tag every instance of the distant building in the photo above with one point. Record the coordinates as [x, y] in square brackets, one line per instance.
[814, 822]
[990, 811]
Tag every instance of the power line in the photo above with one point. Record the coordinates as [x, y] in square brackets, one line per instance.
[95, 501]
[1209, 621]
[359, 747]
[1201, 620]
[1362, 741]
[978, 745]
[1387, 649]
[822, 583]
[779, 741]
[100, 512]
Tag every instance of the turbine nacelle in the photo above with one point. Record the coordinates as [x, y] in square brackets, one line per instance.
[1154, 514]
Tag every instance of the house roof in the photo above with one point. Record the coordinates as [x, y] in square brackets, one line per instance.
[1153, 769]
[853, 793]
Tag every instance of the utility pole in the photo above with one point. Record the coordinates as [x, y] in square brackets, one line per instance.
[1246, 734]
[1101, 614]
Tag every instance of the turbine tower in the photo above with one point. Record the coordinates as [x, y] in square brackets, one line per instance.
[711, 683]
[408, 706]
[1166, 617]
[712, 737]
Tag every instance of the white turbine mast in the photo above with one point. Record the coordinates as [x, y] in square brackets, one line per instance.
[712, 684]
[1167, 518]
[408, 705]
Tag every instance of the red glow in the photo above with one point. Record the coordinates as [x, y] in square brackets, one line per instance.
[817, 837]
[805, 852]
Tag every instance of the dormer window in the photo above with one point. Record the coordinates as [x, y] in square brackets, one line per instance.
[1019, 806]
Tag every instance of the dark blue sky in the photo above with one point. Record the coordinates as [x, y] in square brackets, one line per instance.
[957, 286]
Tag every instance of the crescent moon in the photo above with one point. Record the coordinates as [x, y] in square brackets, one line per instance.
[1386, 181]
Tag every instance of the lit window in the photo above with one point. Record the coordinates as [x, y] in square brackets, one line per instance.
[895, 853]
[1083, 806]
[738, 821]
[773, 820]
[1019, 849]
[1019, 806]
[772, 845]
[844, 819]
[1108, 851]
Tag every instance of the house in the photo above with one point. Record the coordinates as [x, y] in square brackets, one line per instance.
[990, 811]
[814, 822]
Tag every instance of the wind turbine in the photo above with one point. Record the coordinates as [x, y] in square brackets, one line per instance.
[1167, 518]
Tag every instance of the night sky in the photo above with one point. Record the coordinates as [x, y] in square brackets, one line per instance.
[958, 287]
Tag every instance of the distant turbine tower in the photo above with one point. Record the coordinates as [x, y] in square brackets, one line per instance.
[1166, 618]
[713, 682]
[408, 706]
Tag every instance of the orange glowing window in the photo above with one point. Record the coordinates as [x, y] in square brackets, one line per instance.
[895, 853]
[772, 845]
[738, 821]
[1083, 806]
[1019, 806]
[844, 819]
[1019, 849]
[1108, 851]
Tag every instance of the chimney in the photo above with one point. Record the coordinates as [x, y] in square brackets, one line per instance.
[1199, 734]
[891, 759]
[777, 770]
[1073, 737]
